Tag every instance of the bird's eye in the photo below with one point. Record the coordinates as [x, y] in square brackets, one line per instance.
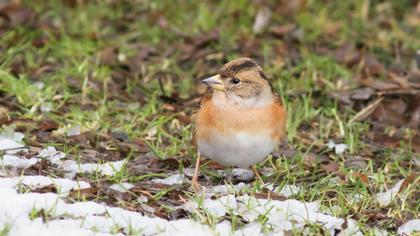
[235, 80]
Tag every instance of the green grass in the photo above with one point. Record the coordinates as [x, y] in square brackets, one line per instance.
[148, 103]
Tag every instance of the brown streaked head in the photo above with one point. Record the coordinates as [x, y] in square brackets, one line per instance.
[233, 67]
[242, 78]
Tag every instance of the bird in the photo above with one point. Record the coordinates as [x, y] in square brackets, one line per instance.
[241, 119]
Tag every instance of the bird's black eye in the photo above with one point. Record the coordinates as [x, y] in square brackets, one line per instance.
[235, 80]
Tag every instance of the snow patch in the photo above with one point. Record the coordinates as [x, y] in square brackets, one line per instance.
[338, 148]
[121, 187]
[171, 180]
[51, 154]
[11, 160]
[107, 168]
[281, 215]
[63, 186]
[288, 190]
[385, 198]
[216, 208]
[56, 157]
[11, 140]
[409, 227]
[84, 218]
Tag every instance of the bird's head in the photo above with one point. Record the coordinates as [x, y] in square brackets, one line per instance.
[242, 81]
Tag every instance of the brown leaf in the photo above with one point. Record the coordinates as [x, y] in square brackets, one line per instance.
[74, 3]
[415, 118]
[15, 14]
[355, 163]
[270, 195]
[402, 81]
[282, 30]
[331, 167]
[362, 94]
[367, 111]
[378, 84]
[362, 178]
[413, 79]
[385, 140]
[46, 189]
[40, 167]
[372, 66]
[289, 8]
[407, 182]
[108, 56]
[48, 125]
[391, 113]
[311, 159]
[347, 54]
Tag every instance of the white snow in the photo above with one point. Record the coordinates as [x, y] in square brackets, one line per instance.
[52, 154]
[63, 186]
[11, 140]
[226, 189]
[171, 180]
[11, 160]
[339, 148]
[73, 130]
[216, 208]
[288, 190]
[351, 230]
[281, 215]
[97, 219]
[56, 157]
[409, 227]
[385, 198]
[107, 168]
[121, 187]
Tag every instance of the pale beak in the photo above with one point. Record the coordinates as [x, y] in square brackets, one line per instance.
[214, 82]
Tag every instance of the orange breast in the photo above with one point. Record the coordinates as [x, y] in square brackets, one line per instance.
[270, 118]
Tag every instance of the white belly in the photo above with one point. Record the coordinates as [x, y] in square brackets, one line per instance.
[239, 150]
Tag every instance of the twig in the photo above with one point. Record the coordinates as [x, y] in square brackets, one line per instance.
[365, 112]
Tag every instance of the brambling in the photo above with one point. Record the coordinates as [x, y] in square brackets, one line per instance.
[241, 120]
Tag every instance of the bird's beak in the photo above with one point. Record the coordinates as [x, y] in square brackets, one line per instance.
[214, 82]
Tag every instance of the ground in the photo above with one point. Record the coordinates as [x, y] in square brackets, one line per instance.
[97, 98]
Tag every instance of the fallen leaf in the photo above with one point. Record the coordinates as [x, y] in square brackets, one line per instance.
[362, 94]
[367, 111]
[86, 193]
[48, 125]
[108, 56]
[415, 118]
[331, 167]
[16, 14]
[282, 30]
[347, 54]
[378, 84]
[408, 181]
[384, 140]
[371, 65]
[261, 20]
[390, 112]
[355, 163]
